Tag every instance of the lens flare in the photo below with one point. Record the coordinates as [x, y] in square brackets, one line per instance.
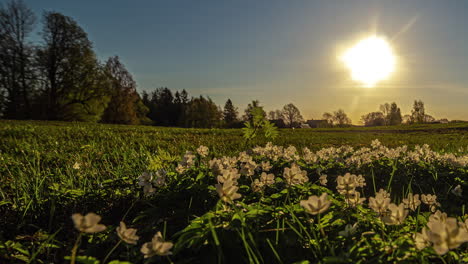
[370, 60]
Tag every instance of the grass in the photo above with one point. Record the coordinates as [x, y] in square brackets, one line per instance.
[52, 169]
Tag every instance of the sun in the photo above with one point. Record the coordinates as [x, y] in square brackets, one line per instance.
[370, 60]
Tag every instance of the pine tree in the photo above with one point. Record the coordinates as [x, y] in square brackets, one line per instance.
[230, 113]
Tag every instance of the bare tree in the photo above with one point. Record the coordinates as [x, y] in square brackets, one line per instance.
[418, 112]
[16, 67]
[329, 117]
[291, 115]
[340, 118]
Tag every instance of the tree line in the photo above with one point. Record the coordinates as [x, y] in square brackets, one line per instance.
[60, 78]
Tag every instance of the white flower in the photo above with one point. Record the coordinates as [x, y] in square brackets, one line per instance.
[384, 193]
[323, 179]
[346, 184]
[396, 216]
[76, 166]
[412, 201]
[446, 235]
[355, 199]
[380, 203]
[128, 235]
[295, 175]
[266, 166]
[457, 190]
[429, 199]
[88, 223]
[157, 246]
[316, 205]
[229, 174]
[421, 240]
[349, 230]
[203, 151]
[227, 191]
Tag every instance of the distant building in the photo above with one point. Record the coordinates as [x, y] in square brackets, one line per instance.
[317, 123]
[305, 126]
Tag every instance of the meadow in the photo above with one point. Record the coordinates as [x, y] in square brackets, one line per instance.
[233, 201]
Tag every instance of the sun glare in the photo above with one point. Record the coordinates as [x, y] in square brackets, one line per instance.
[370, 60]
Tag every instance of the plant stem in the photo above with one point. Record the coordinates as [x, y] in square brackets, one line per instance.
[110, 252]
[75, 248]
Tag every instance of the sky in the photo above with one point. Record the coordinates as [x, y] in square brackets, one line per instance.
[282, 52]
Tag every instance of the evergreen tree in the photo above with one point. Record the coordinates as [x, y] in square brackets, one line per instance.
[230, 113]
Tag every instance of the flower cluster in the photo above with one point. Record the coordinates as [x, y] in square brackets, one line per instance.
[347, 184]
[316, 205]
[295, 175]
[442, 233]
[187, 162]
[150, 180]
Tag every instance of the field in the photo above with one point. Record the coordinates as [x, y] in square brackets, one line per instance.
[51, 170]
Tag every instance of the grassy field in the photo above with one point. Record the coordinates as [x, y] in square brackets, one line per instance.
[49, 170]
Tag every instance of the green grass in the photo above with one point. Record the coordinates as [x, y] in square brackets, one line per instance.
[39, 188]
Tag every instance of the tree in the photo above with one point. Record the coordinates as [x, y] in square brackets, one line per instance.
[373, 119]
[329, 117]
[385, 109]
[202, 112]
[340, 118]
[230, 113]
[122, 108]
[418, 112]
[275, 115]
[76, 86]
[394, 117]
[17, 73]
[291, 115]
[161, 107]
[250, 108]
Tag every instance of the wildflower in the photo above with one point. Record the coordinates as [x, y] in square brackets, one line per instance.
[202, 151]
[429, 199]
[266, 166]
[76, 166]
[160, 178]
[145, 180]
[323, 179]
[88, 223]
[265, 180]
[457, 190]
[295, 175]
[349, 230]
[384, 193]
[355, 199]
[438, 217]
[316, 205]
[412, 202]
[128, 235]
[376, 144]
[248, 168]
[187, 161]
[157, 246]
[346, 184]
[229, 174]
[360, 181]
[446, 235]
[227, 191]
[396, 215]
[421, 240]
[379, 204]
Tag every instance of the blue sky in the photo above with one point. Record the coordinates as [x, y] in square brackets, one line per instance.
[283, 51]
